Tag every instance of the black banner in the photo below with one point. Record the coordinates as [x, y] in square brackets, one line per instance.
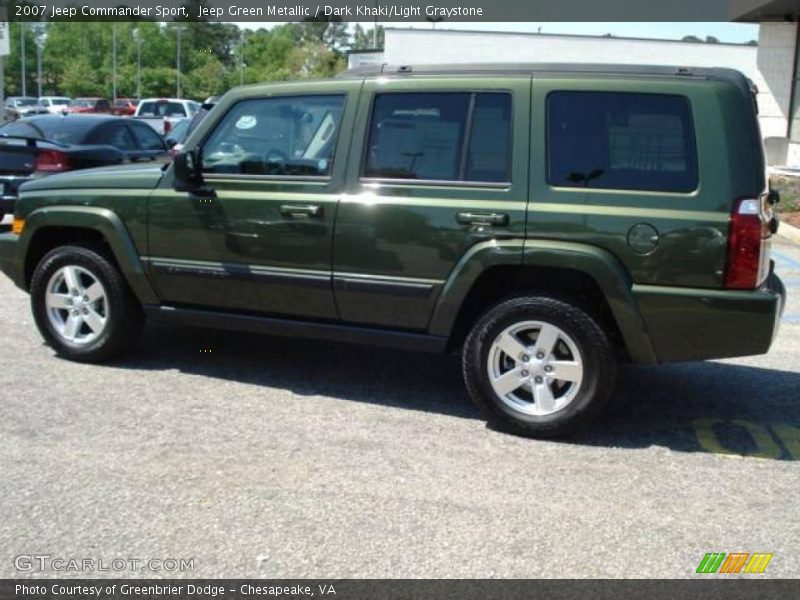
[396, 11]
[708, 588]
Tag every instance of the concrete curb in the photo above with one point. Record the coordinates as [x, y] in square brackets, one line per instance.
[788, 232]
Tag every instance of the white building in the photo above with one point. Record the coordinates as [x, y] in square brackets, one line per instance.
[771, 64]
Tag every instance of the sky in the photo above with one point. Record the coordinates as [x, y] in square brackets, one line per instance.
[725, 32]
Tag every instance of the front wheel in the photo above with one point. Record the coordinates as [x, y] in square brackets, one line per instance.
[538, 366]
[82, 305]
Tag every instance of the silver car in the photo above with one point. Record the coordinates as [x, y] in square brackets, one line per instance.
[21, 106]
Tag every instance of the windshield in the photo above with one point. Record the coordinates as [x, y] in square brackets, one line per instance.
[59, 101]
[25, 102]
[81, 102]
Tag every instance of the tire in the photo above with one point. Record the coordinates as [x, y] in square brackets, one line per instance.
[512, 392]
[82, 306]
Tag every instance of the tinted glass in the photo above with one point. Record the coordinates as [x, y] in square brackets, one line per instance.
[276, 136]
[417, 136]
[490, 139]
[114, 134]
[146, 137]
[621, 141]
[66, 130]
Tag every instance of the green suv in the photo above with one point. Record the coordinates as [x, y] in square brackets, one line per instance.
[545, 221]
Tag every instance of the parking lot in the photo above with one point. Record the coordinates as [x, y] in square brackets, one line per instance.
[268, 457]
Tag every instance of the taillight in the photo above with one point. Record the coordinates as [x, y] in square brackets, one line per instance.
[51, 161]
[747, 237]
[167, 127]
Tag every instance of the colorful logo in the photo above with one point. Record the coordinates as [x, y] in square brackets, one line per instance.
[735, 562]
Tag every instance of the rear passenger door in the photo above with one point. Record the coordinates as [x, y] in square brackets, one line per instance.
[437, 166]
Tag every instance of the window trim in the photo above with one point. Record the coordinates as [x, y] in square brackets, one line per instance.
[472, 93]
[695, 158]
[211, 176]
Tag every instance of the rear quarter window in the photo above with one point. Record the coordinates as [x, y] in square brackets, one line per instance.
[624, 141]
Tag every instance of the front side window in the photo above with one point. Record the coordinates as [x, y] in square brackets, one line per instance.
[430, 136]
[625, 141]
[293, 136]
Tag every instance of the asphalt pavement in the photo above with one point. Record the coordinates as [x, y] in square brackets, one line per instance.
[268, 457]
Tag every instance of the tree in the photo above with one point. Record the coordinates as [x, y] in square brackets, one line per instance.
[710, 39]
[691, 38]
[362, 38]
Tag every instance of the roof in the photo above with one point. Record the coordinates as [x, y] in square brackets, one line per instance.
[541, 68]
[576, 69]
[760, 11]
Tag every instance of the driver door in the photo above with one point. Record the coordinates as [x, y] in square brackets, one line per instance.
[262, 242]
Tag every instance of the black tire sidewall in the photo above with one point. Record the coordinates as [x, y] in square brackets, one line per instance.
[599, 365]
[117, 295]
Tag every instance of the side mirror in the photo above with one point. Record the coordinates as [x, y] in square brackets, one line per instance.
[171, 142]
[189, 173]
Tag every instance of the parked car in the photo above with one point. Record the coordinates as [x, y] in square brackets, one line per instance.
[124, 107]
[546, 221]
[22, 106]
[162, 113]
[181, 129]
[55, 105]
[89, 105]
[43, 145]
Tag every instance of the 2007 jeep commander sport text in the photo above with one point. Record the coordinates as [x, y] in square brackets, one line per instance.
[547, 221]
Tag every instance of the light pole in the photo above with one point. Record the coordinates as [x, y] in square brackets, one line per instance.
[138, 41]
[375, 28]
[113, 64]
[22, 27]
[241, 57]
[178, 31]
[41, 38]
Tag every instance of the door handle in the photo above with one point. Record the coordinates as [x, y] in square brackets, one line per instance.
[301, 211]
[470, 218]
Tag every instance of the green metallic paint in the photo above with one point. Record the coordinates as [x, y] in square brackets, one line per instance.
[242, 226]
[404, 228]
[692, 228]
[102, 220]
[690, 324]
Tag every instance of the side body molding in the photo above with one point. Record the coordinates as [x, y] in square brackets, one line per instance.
[600, 265]
[102, 220]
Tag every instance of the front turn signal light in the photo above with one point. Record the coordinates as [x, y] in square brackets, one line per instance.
[18, 226]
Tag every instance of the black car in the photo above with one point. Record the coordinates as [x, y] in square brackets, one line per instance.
[48, 144]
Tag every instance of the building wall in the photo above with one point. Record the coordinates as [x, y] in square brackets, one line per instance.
[769, 65]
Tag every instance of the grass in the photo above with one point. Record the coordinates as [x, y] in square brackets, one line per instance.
[789, 187]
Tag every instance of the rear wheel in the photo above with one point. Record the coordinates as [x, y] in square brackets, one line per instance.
[538, 366]
[82, 305]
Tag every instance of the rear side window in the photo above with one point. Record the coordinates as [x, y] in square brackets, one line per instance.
[624, 141]
[440, 137]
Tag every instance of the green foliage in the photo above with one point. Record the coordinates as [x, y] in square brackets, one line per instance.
[363, 38]
[77, 57]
